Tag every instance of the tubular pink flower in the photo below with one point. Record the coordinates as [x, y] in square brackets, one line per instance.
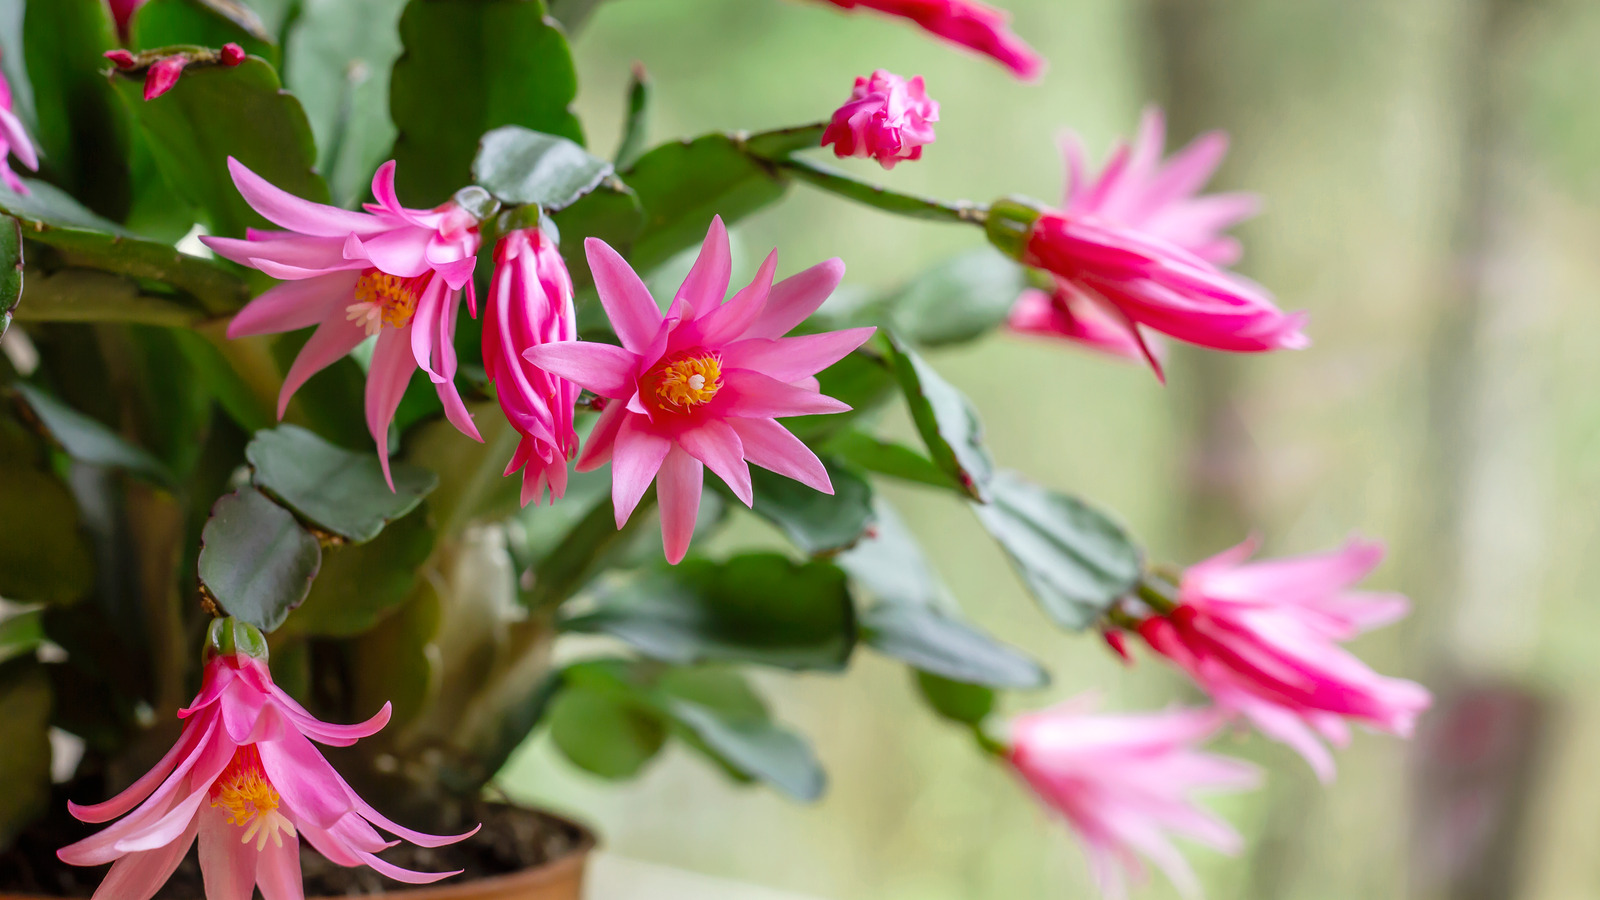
[1124, 782]
[888, 119]
[390, 272]
[1137, 246]
[701, 386]
[14, 141]
[530, 304]
[966, 23]
[245, 779]
[1263, 639]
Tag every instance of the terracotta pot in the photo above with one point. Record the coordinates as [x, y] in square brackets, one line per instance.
[559, 879]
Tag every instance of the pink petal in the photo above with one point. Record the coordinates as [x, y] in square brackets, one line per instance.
[717, 445]
[392, 365]
[636, 457]
[420, 838]
[607, 370]
[726, 322]
[633, 312]
[288, 211]
[282, 247]
[707, 282]
[597, 448]
[405, 875]
[184, 749]
[753, 395]
[307, 783]
[139, 875]
[790, 359]
[295, 305]
[331, 342]
[678, 489]
[13, 134]
[227, 864]
[772, 447]
[795, 298]
[399, 251]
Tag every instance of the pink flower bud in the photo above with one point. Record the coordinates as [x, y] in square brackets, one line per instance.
[232, 55]
[122, 11]
[888, 119]
[122, 59]
[163, 75]
[530, 305]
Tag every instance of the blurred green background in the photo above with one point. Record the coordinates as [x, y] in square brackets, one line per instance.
[1431, 170]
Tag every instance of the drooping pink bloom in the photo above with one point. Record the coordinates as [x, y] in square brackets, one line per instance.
[1124, 782]
[163, 74]
[122, 11]
[390, 272]
[966, 23]
[1134, 248]
[888, 119]
[1263, 639]
[14, 141]
[701, 386]
[245, 779]
[530, 304]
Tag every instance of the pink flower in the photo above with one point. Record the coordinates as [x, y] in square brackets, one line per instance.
[966, 23]
[1135, 249]
[162, 76]
[701, 386]
[1263, 639]
[530, 304]
[888, 119]
[389, 272]
[1123, 782]
[246, 780]
[14, 141]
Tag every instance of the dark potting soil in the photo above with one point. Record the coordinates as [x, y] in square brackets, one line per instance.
[512, 839]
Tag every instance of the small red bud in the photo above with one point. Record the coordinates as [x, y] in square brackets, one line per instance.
[122, 59]
[163, 75]
[232, 54]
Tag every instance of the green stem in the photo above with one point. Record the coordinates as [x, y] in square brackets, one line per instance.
[877, 197]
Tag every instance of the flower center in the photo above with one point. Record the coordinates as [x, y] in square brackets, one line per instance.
[688, 381]
[250, 800]
[384, 299]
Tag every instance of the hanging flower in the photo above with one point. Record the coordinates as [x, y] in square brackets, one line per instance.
[1263, 640]
[888, 119]
[245, 779]
[701, 386]
[1124, 782]
[392, 273]
[1135, 248]
[966, 23]
[122, 11]
[530, 304]
[14, 141]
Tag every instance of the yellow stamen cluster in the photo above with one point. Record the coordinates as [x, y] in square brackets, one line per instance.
[384, 299]
[688, 382]
[251, 802]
